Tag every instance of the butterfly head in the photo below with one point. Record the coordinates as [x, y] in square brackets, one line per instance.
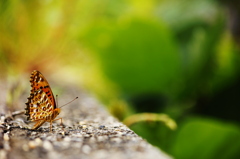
[56, 112]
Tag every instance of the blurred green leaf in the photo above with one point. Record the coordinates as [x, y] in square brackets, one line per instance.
[142, 117]
[201, 138]
[140, 56]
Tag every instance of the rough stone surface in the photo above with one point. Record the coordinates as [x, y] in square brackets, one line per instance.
[89, 132]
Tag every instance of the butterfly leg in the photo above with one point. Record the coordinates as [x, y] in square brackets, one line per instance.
[59, 119]
[51, 126]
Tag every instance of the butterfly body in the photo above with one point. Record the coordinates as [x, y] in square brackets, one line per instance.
[41, 106]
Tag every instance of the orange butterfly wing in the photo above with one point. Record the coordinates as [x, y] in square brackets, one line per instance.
[38, 81]
[41, 103]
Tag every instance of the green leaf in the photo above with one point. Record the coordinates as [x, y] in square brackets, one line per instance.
[139, 56]
[206, 139]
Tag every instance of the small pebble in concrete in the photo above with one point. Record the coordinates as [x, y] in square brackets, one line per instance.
[86, 149]
[101, 126]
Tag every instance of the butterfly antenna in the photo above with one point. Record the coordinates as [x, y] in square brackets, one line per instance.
[69, 102]
[57, 100]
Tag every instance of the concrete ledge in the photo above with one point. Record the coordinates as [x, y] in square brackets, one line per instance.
[89, 132]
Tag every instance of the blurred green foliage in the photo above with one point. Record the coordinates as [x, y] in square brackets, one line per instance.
[175, 57]
[139, 55]
[216, 140]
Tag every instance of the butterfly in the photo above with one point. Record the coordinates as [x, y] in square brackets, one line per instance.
[41, 105]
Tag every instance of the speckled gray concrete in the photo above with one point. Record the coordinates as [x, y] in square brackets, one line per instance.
[89, 132]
